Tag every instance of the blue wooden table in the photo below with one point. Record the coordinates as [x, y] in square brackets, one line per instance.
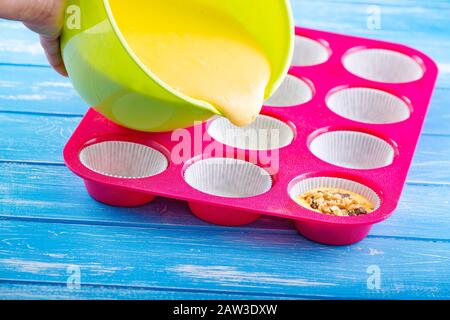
[52, 234]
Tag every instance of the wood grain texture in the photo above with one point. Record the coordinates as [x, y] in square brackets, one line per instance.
[37, 90]
[36, 290]
[40, 138]
[160, 251]
[403, 21]
[248, 262]
[41, 91]
[41, 201]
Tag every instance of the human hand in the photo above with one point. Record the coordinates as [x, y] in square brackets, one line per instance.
[45, 17]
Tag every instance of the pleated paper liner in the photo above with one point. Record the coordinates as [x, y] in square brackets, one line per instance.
[124, 160]
[228, 178]
[292, 92]
[353, 150]
[383, 65]
[309, 52]
[332, 235]
[368, 105]
[303, 186]
[266, 133]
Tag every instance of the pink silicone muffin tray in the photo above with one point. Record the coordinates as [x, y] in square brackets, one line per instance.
[349, 115]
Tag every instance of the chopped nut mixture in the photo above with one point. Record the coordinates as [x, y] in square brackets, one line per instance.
[336, 202]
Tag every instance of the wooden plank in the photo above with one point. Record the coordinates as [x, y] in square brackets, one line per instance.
[404, 20]
[52, 193]
[400, 23]
[435, 4]
[438, 116]
[55, 192]
[43, 91]
[432, 160]
[35, 138]
[42, 138]
[228, 261]
[19, 45]
[12, 290]
[38, 90]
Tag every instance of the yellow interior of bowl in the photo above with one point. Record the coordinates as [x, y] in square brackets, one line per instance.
[275, 38]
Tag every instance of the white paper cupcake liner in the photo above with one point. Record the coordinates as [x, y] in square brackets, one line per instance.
[383, 66]
[354, 150]
[292, 92]
[125, 160]
[368, 106]
[309, 52]
[265, 133]
[226, 177]
[309, 184]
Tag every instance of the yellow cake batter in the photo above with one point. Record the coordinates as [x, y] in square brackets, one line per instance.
[336, 202]
[199, 52]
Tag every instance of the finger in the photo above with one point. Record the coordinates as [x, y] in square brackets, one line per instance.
[53, 53]
[16, 10]
[34, 11]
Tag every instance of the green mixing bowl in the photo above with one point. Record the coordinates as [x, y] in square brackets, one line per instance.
[109, 76]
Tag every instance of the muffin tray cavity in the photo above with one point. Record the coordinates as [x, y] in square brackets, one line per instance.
[348, 116]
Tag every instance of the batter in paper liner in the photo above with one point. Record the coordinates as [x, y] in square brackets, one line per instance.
[338, 202]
